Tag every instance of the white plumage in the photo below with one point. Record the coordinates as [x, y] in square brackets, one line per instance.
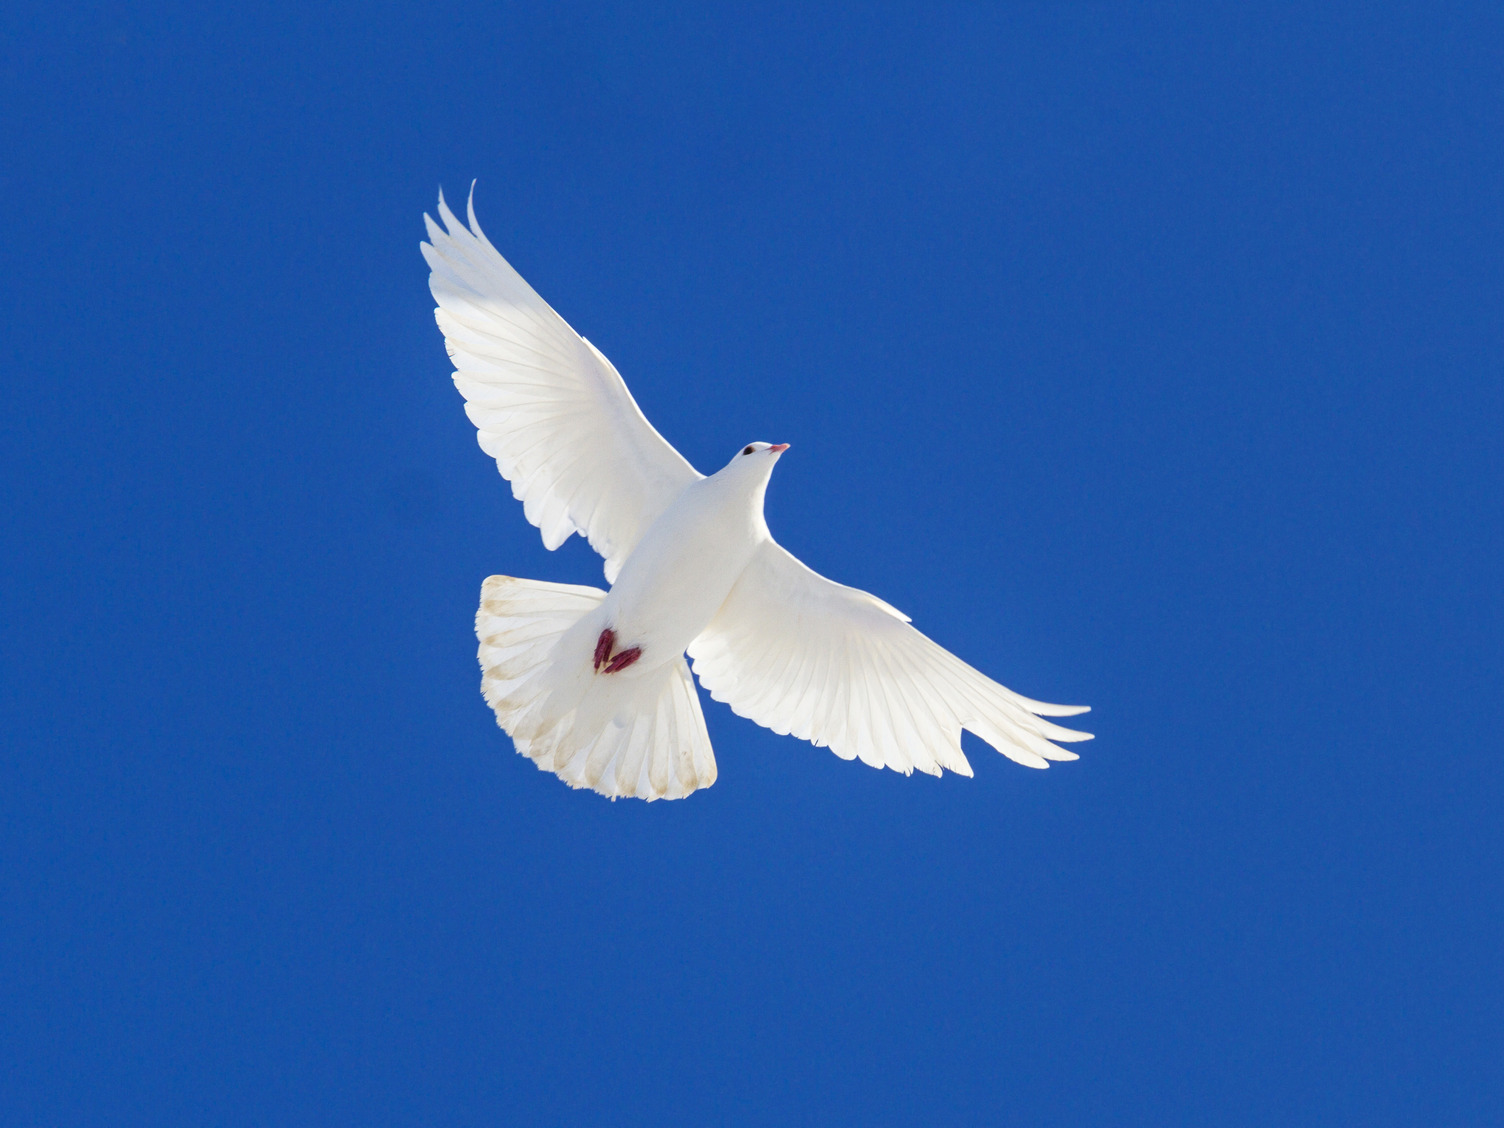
[593, 685]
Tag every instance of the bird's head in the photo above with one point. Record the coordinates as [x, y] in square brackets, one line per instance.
[755, 459]
[750, 468]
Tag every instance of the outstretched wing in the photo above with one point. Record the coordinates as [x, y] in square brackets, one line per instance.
[552, 411]
[803, 655]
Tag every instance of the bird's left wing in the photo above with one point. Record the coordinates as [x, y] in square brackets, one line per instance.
[550, 408]
[806, 656]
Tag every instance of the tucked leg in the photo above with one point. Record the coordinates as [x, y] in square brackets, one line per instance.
[603, 647]
[624, 659]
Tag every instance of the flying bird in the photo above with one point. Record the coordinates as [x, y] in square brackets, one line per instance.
[593, 685]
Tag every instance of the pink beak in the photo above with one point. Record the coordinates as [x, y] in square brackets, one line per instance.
[778, 448]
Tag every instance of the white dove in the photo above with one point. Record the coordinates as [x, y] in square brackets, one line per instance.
[593, 685]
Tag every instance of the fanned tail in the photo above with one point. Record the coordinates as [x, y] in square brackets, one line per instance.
[620, 736]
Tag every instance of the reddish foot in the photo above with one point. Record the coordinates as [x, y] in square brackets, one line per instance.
[603, 657]
[623, 660]
[603, 647]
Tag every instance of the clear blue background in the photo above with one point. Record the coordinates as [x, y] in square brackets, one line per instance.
[1149, 356]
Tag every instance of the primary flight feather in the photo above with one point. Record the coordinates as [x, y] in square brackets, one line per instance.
[593, 685]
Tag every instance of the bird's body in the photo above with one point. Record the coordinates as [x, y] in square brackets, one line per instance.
[687, 562]
[593, 685]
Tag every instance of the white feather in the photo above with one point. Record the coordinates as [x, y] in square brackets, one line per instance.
[552, 411]
[870, 672]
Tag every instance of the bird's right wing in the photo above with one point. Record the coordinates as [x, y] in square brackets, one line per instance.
[801, 654]
[552, 411]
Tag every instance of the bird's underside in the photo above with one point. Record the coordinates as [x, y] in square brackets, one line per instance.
[594, 685]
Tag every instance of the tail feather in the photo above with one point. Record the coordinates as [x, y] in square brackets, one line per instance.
[619, 736]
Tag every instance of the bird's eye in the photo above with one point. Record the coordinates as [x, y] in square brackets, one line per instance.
[749, 450]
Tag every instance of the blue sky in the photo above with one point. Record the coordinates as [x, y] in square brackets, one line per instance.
[1148, 356]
